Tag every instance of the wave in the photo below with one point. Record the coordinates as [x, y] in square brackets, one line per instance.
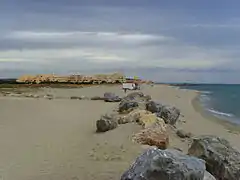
[204, 98]
[206, 92]
[220, 113]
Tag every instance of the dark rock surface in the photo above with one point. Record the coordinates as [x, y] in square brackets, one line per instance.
[127, 106]
[97, 98]
[156, 164]
[111, 97]
[154, 107]
[106, 122]
[137, 96]
[169, 114]
[222, 161]
[133, 96]
[75, 97]
[132, 101]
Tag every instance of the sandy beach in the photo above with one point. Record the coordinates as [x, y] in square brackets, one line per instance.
[55, 139]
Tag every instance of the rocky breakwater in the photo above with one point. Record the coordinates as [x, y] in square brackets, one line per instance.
[133, 108]
[208, 158]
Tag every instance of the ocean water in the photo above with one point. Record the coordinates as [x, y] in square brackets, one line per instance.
[221, 100]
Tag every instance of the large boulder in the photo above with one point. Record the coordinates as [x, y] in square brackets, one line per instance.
[222, 161]
[137, 97]
[134, 96]
[168, 113]
[147, 120]
[132, 101]
[107, 122]
[111, 97]
[133, 116]
[154, 107]
[153, 135]
[127, 106]
[156, 164]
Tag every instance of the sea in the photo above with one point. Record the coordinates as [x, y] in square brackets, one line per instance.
[220, 100]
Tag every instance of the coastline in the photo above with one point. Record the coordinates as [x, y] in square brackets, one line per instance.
[200, 109]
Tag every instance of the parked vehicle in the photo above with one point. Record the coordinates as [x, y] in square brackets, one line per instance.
[130, 86]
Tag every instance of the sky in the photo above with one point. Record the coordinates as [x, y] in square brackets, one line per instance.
[166, 41]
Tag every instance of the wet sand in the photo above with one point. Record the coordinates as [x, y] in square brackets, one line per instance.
[55, 139]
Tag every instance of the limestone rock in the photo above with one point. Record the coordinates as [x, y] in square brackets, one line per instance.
[133, 116]
[156, 164]
[154, 135]
[222, 161]
[106, 122]
[147, 120]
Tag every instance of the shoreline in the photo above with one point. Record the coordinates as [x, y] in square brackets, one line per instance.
[197, 105]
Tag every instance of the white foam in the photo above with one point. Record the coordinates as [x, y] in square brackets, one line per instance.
[220, 113]
[206, 92]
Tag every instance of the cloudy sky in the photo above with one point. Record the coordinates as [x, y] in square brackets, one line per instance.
[169, 41]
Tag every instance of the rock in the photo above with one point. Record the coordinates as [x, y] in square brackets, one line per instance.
[222, 161]
[154, 107]
[133, 96]
[137, 96]
[75, 97]
[132, 101]
[208, 176]
[127, 106]
[97, 98]
[111, 97]
[148, 120]
[106, 122]
[133, 116]
[170, 114]
[155, 135]
[183, 134]
[156, 164]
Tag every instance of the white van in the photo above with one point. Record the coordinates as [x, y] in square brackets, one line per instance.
[129, 86]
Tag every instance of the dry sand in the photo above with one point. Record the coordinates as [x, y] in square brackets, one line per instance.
[55, 139]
